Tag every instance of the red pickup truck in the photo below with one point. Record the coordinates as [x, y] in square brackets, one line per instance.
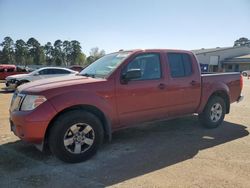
[71, 115]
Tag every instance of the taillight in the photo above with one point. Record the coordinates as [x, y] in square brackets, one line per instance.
[241, 82]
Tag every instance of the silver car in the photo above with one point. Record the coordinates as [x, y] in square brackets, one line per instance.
[246, 73]
[12, 82]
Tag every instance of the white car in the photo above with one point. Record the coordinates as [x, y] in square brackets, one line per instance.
[246, 73]
[47, 72]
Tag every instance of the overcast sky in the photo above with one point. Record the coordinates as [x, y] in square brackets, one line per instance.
[114, 24]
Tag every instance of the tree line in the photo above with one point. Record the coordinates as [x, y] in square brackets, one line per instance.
[59, 53]
[243, 41]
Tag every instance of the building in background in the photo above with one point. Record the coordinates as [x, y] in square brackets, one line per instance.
[217, 59]
[235, 64]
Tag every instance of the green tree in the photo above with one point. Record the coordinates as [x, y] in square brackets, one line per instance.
[78, 58]
[57, 53]
[7, 55]
[36, 52]
[243, 41]
[48, 51]
[67, 51]
[21, 52]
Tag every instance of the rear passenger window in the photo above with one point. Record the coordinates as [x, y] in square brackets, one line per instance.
[180, 64]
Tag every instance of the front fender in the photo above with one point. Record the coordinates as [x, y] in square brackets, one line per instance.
[104, 103]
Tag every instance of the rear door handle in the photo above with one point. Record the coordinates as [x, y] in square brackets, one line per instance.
[193, 83]
[161, 86]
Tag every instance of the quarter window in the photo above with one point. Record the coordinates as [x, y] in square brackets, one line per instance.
[180, 64]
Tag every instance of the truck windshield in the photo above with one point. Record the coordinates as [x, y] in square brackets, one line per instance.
[104, 66]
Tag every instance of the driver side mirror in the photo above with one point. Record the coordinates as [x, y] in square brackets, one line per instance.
[131, 75]
[36, 74]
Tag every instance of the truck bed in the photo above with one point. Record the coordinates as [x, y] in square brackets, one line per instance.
[229, 82]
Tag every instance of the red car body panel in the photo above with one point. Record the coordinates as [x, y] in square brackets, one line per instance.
[31, 125]
[8, 70]
[123, 104]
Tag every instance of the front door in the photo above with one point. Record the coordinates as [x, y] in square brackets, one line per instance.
[142, 99]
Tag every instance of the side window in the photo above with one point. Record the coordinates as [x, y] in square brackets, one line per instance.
[53, 71]
[44, 72]
[180, 64]
[60, 71]
[149, 64]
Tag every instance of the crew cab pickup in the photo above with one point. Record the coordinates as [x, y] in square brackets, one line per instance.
[72, 115]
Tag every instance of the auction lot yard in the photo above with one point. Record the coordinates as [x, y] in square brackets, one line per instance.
[176, 153]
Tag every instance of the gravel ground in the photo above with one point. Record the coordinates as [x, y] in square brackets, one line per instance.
[176, 153]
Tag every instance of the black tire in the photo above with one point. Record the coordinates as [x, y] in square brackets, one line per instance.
[63, 125]
[244, 74]
[207, 115]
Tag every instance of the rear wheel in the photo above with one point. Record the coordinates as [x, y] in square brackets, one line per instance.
[214, 112]
[244, 74]
[75, 136]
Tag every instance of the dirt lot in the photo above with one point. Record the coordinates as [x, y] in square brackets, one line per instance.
[177, 153]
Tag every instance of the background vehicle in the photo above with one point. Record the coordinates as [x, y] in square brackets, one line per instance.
[72, 115]
[7, 70]
[47, 72]
[246, 73]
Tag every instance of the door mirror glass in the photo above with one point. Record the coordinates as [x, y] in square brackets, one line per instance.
[131, 75]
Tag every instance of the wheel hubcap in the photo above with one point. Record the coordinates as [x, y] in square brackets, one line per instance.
[79, 138]
[216, 112]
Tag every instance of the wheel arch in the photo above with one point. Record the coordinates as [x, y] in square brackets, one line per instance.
[224, 95]
[89, 108]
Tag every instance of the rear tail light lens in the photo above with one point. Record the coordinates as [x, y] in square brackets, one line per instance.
[241, 82]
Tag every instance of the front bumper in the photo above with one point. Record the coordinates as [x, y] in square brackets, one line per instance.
[32, 132]
[31, 126]
[240, 98]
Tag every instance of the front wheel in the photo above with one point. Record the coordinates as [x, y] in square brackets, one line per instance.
[214, 112]
[75, 136]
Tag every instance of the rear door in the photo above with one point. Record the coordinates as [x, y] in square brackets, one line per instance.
[184, 83]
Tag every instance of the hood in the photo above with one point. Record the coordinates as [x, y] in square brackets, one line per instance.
[55, 83]
[16, 76]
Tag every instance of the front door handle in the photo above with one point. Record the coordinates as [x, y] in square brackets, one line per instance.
[193, 83]
[161, 86]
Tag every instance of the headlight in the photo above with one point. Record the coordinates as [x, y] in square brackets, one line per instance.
[30, 102]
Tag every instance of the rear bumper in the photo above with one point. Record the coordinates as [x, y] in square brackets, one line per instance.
[240, 98]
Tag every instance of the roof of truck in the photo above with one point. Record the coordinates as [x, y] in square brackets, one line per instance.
[155, 50]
